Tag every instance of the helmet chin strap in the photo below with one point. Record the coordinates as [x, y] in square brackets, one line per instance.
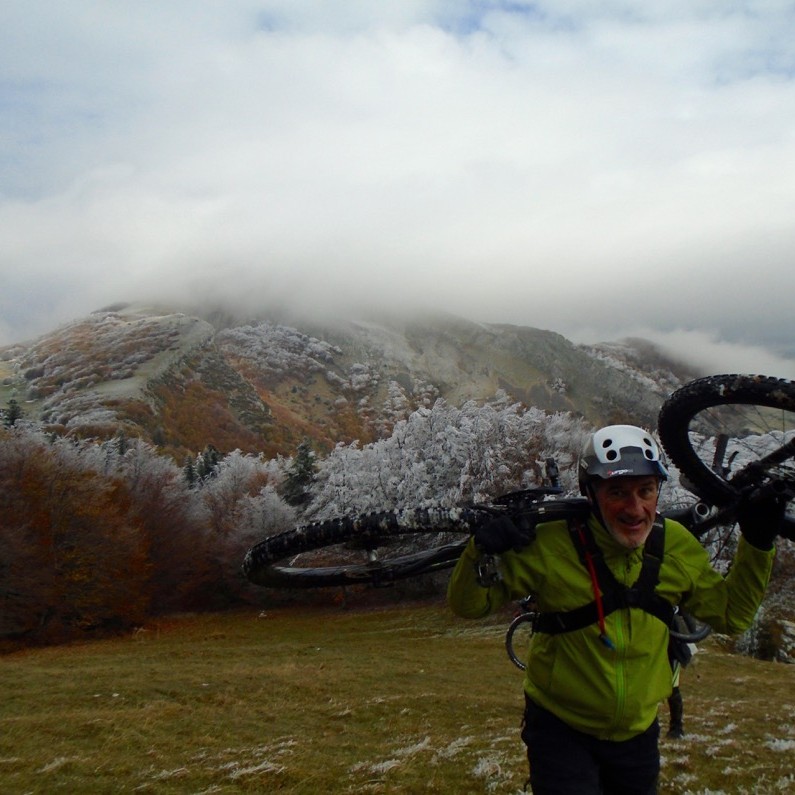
[590, 493]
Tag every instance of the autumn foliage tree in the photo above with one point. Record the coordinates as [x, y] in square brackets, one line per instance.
[72, 556]
[171, 522]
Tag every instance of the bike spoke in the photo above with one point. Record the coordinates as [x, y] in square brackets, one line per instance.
[732, 434]
[747, 446]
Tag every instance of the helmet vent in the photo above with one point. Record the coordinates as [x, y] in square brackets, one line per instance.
[612, 455]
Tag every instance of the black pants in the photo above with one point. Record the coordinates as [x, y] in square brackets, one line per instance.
[564, 761]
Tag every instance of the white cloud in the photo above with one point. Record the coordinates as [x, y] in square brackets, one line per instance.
[706, 352]
[569, 165]
[713, 355]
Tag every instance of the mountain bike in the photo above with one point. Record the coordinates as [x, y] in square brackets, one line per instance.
[730, 437]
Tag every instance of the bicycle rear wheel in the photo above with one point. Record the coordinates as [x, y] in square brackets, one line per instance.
[361, 537]
[729, 434]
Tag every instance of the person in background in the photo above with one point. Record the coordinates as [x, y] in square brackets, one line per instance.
[606, 586]
[680, 653]
[676, 707]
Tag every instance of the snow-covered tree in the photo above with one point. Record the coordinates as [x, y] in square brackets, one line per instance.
[445, 455]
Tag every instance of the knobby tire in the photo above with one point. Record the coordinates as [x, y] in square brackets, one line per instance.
[367, 532]
[731, 434]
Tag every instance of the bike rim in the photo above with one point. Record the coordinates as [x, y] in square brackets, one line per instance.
[731, 440]
[730, 434]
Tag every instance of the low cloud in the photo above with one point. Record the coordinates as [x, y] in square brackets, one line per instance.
[569, 166]
[707, 353]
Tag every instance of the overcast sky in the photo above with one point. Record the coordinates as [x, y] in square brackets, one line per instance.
[595, 167]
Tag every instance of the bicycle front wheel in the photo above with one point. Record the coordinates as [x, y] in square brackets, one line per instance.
[728, 434]
[281, 560]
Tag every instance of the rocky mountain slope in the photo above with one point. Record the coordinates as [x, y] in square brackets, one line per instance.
[187, 379]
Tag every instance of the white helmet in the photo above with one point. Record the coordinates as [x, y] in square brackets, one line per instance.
[620, 451]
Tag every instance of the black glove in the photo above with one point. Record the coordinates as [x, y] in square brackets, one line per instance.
[500, 535]
[760, 520]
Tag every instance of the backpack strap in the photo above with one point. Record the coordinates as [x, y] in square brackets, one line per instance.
[613, 594]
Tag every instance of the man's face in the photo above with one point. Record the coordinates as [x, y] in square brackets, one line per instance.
[629, 507]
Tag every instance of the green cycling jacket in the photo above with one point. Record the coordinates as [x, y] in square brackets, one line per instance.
[610, 693]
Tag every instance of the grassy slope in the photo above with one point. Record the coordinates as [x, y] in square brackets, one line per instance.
[387, 700]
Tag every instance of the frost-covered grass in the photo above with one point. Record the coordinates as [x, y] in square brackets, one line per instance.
[385, 700]
[739, 724]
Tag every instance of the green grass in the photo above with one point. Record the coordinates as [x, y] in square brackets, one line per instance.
[398, 699]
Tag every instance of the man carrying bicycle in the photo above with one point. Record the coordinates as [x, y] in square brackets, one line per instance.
[606, 587]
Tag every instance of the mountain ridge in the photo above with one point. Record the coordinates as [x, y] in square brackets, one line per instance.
[183, 378]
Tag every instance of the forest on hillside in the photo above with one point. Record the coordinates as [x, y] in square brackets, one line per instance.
[98, 537]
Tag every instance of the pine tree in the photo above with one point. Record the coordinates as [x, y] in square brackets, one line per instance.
[207, 463]
[12, 413]
[300, 475]
[122, 444]
[189, 470]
